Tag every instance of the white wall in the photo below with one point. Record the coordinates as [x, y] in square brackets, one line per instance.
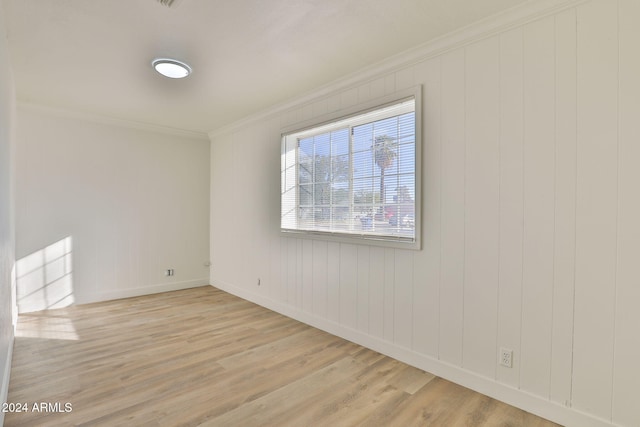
[103, 210]
[530, 219]
[7, 224]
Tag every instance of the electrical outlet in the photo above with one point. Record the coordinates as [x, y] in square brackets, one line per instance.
[168, 272]
[506, 357]
[258, 281]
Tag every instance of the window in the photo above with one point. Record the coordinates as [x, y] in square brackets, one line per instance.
[354, 177]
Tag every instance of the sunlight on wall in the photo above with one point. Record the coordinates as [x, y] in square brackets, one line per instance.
[44, 278]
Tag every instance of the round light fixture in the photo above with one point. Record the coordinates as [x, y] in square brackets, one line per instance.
[171, 68]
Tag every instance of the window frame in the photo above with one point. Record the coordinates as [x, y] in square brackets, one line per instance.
[345, 114]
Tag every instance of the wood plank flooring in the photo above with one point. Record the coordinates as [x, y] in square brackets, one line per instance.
[204, 357]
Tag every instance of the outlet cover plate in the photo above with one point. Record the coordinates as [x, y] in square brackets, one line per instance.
[506, 357]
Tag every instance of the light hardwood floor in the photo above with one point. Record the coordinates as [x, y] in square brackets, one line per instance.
[204, 357]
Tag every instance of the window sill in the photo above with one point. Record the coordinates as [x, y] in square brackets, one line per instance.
[355, 239]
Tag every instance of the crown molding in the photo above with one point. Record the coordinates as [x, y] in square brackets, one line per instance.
[511, 18]
[112, 121]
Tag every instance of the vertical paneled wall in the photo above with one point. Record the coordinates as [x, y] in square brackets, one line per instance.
[596, 206]
[531, 236]
[626, 323]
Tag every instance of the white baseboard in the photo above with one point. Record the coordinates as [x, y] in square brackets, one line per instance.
[534, 404]
[143, 290]
[6, 376]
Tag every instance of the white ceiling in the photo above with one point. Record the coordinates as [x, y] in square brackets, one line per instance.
[94, 56]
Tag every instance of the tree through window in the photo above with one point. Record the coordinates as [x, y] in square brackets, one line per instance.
[353, 176]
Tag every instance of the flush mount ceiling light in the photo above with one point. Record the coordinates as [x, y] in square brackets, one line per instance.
[171, 68]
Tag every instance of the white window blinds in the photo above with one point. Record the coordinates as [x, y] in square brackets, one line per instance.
[354, 176]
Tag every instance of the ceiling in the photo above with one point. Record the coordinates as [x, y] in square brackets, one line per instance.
[95, 56]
